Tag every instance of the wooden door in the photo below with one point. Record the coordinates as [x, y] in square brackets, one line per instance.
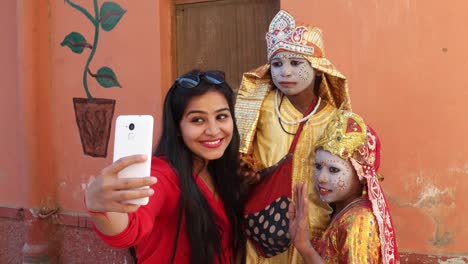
[226, 35]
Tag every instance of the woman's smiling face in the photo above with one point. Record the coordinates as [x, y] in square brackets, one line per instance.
[207, 125]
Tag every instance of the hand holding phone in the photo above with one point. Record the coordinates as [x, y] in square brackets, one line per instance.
[134, 135]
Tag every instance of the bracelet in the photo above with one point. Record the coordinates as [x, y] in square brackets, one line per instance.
[92, 213]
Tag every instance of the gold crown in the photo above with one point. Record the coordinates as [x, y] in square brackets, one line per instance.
[345, 134]
[283, 35]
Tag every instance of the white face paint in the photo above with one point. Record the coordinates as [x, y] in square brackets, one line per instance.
[335, 179]
[292, 73]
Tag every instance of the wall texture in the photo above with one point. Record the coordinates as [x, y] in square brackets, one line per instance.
[43, 169]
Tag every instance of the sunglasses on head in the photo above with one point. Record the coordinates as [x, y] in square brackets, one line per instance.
[193, 79]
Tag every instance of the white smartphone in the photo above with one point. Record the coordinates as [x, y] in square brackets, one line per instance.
[134, 135]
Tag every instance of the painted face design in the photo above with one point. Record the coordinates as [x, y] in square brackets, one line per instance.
[291, 73]
[207, 125]
[335, 178]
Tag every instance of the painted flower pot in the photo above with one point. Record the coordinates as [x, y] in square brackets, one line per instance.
[94, 120]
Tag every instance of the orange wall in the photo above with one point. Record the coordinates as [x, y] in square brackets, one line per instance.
[10, 194]
[405, 61]
[42, 162]
[133, 49]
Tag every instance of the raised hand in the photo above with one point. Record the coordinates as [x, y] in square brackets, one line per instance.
[108, 193]
[298, 218]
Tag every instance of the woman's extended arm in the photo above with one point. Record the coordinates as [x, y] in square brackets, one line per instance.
[106, 194]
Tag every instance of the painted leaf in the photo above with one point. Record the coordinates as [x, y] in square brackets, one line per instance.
[76, 42]
[111, 13]
[106, 78]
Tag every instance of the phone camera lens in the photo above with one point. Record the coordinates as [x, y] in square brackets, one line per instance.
[131, 126]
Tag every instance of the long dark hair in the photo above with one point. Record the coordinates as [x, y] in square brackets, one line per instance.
[200, 219]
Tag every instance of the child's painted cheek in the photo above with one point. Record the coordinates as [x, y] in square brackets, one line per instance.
[305, 72]
[340, 184]
[274, 76]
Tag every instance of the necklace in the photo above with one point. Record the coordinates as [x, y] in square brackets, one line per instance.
[281, 124]
[295, 121]
[351, 204]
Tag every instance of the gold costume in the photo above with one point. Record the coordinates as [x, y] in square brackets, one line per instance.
[263, 141]
[272, 144]
[362, 232]
[353, 236]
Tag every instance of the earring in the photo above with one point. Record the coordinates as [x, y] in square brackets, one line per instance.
[364, 190]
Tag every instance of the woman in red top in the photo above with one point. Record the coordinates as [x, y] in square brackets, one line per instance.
[195, 208]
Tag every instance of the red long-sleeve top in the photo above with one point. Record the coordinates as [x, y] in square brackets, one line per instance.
[152, 228]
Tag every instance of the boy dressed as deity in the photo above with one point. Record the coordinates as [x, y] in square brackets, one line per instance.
[282, 109]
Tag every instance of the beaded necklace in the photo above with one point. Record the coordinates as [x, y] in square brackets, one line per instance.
[281, 119]
[295, 121]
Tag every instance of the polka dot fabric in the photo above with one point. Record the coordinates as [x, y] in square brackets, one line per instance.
[268, 228]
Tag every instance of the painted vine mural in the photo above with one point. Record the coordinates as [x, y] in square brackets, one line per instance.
[94, 115]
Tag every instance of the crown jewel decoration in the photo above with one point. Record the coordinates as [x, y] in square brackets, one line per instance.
[284, 35]
[344, 135]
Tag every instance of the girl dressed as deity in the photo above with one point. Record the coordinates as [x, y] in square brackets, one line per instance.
[282, 109]
[361, 230]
